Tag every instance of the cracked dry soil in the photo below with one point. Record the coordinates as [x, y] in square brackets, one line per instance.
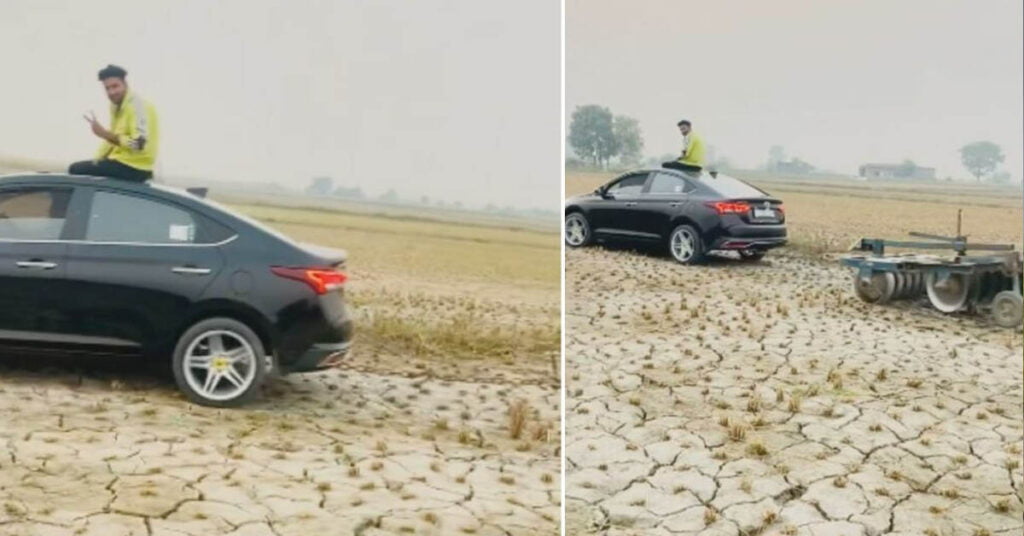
[335, 453]
[764, 398]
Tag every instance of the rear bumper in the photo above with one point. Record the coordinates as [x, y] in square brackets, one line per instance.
[752, 237]
[760, 244]
[321, 356]
[320, 339]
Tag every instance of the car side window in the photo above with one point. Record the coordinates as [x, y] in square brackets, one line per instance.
[35, 213]
[116, 217]
[667, 183]
[631, 185]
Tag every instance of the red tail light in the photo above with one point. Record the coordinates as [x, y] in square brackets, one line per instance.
[729, 207]
[780, 209]
[321, 280]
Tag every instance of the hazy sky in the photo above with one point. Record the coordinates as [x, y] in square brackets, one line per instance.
[452, 99]
[836, 83]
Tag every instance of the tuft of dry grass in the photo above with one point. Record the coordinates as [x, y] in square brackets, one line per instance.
[518, 414]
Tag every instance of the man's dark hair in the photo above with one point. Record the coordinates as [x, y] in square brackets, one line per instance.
[684, 122]
[112, 71]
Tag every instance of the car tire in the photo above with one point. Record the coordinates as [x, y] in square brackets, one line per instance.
[577, 224]
[238, 360]
[751, 255]
[685, 245]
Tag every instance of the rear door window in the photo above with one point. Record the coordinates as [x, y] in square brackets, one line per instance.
[123, 218]
[630, 185]
[33, 213]
[668, 183]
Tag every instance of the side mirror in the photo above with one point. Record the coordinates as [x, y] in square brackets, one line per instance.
[601, 192]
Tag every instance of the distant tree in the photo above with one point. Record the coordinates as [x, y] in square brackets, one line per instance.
[458, 205]
[629, 141]
[320, 186]
[776, 154]
[424, 200]
[981, 158]
[800, 166]
[390, 196]
[906, 168]
[591, 134]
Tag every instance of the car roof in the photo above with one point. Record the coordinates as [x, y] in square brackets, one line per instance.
[206, 206]
[688, 174]
[89, 180]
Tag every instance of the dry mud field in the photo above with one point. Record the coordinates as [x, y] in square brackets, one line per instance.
[764, 398]
[436, 425]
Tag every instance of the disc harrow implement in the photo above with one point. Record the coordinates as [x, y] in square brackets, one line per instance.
[974, 283]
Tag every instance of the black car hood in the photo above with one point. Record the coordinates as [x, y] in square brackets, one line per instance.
[582, 197]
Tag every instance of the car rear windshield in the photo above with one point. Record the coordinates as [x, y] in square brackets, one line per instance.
[730, 187]
[249, 220]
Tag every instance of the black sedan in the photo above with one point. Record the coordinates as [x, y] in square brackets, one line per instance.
[690, 212]
[104, 266]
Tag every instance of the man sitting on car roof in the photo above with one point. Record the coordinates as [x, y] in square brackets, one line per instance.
[692, 157]
[129, 147]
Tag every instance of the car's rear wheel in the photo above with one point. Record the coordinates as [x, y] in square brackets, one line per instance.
[219, 362]
[577, 230]
[751, 255]
[685, 245]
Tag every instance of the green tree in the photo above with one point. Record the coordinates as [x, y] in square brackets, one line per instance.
[907, 168]
[591, 134]
[320, 186]
[629, 140]
[981, 158]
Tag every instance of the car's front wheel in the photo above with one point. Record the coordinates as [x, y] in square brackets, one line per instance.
[219, 362]
[685, 245]
[577, 230]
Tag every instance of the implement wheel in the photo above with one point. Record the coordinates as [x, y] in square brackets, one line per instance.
[1008, 309]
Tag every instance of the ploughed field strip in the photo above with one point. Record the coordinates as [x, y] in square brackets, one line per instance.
[339, 452]
[768, 399]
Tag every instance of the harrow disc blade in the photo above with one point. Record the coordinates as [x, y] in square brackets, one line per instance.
[878, 289]
[916, 284]
[949, 295]
[900, 288]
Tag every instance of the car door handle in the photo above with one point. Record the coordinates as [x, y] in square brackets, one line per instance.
[190, 270]
[674, 205]
[631, 203]
[38, 265]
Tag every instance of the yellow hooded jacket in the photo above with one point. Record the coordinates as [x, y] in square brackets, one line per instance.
[134, 122]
